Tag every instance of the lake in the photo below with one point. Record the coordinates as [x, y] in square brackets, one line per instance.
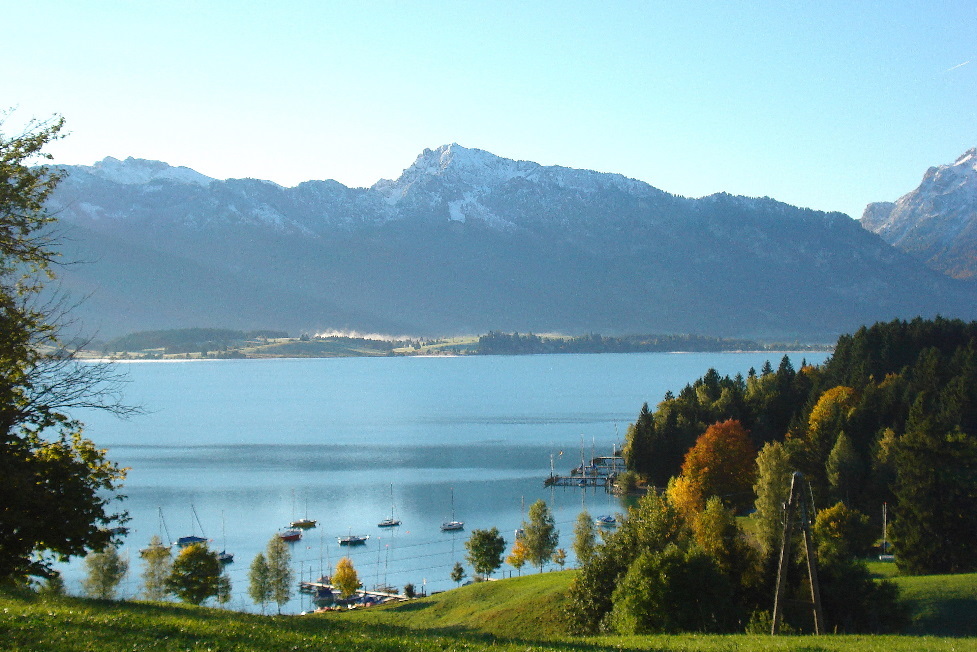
[249, 445]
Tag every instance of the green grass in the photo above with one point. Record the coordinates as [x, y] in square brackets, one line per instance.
[517, 614]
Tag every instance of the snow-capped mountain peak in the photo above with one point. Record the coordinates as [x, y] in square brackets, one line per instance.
[133, 171]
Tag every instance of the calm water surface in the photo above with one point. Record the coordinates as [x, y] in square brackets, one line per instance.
[253, 444]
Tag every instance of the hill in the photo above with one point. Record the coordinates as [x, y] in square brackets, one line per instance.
[507, 615]
[468, 242]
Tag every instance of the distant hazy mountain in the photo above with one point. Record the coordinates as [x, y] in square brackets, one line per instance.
[936, 222]
[467, 242]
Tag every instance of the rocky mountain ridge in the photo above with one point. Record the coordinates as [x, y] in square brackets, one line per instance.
[936, 222]
[466, 242]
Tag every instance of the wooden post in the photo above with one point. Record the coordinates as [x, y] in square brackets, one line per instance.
[797, 502]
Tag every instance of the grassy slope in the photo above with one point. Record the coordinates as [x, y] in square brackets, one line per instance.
[517, 614]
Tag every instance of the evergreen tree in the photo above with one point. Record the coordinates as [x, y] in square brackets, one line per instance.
[541, 536]
[936, 490]
[844, 470]
[104, 572]
[157, 568]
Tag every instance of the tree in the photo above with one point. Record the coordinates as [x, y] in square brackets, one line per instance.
[280, 575]
[517, 558]
[345, 578]
[485, 550]
[541, 536]
[158, 564]
[936, 490]
[259, 584]
[722, 463]
[560, 557]
[104, 572]
[772, 488]
[410, 592]
[57, 487]
[842, 533]
[843, 469]
[195, 575]
[458, 573]
[584, 538]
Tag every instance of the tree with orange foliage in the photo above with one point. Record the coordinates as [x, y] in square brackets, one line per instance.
[722, 463]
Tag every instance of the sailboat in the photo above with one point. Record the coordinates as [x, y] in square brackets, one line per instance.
[164, 530]
[302, 523]
[223, 556]
[183, 542]
[452, 525]
[390, 522]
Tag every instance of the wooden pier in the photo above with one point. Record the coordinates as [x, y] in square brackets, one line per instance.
[601, 472]
[313, 587]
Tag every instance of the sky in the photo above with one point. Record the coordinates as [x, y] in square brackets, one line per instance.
[827, 105]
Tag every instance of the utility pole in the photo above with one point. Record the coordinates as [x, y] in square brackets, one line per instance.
[797, 505]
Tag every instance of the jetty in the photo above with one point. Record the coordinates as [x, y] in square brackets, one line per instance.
[324, 585]
[602, 471]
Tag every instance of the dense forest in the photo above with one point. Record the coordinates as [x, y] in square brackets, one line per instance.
[890, 419]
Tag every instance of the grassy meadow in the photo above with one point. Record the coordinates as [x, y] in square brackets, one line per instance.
[515, 614]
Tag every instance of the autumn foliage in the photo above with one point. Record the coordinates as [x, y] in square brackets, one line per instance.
[722, 463]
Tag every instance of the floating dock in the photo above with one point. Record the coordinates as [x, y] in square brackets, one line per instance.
[601, 472]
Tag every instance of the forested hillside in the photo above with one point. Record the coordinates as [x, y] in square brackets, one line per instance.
[889, 419]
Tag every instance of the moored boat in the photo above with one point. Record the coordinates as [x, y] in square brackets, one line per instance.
[353, 539]
[290, 534]
[303, 523]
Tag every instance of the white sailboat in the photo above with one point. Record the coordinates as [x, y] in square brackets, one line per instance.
[390, 522]
[451, 525]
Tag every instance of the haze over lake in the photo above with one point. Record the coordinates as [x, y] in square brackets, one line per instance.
[253, 444]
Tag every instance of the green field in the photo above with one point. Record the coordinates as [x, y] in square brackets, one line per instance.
[516, 614]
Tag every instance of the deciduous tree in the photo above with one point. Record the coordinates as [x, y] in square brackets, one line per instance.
[259, 584]
[58, 488]
[157, 566]
[280, 575]
[584, 537]
[541, 536]
[105, 570]
[485, 550]
[722, 463]
[346, 579]
[195, 575]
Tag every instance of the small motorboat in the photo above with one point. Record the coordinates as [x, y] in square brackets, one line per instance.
[353, 539]
[303, 523]
[448, 526]
[606, 521]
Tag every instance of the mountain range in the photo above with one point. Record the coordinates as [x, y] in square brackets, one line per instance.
[936, 222]
[466, 242]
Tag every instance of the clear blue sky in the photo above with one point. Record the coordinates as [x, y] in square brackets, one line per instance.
[828, 104]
